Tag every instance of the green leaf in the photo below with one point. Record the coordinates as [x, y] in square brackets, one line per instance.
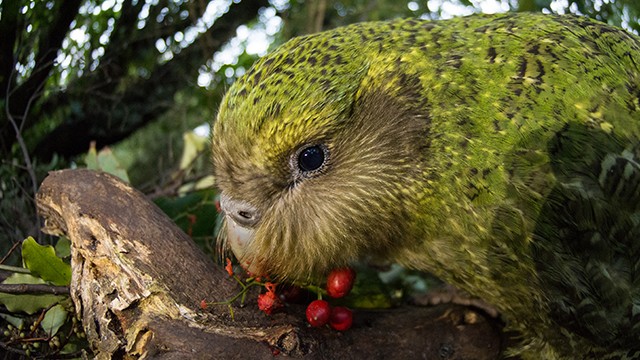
[91, 159]
[53, 319]
[13, 320]
[63, 247]
[106, 161]
[70, 348]
[43, 262]
[27, 303]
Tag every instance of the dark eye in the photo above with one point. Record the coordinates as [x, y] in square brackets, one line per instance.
[311, 158]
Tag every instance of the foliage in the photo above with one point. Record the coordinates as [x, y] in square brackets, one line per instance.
[75, 72]
[153, 152]
[26, 303]
[17, 209]
[105, 161]
[120, 67]
[38, 323]
[43, 262]
[622, 13]
[303, 17]
[196, 214]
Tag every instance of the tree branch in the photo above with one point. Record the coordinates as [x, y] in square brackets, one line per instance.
[33, 289]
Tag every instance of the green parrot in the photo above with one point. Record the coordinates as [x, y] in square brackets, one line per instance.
[499, 152]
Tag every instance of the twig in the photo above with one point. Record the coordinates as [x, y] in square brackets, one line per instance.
[12, 349]
[34, 289]
[20, 139]
[13, 248]
[56, 355]
[15, 269]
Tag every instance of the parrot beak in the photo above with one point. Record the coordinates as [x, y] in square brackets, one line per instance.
[241, 219]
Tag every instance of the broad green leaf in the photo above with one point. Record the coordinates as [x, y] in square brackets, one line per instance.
[54, 319]
[43, 262]
[110, 164]
[105, 160]
[27, 303]
[13, 320]
[63, 247]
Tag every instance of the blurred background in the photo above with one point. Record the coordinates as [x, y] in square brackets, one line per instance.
[131, 86]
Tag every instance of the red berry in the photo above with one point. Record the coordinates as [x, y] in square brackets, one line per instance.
[318, 313]
[269, 302]
[341, 318]
[340, 282]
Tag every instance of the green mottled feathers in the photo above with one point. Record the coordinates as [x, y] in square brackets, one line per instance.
[499, 152]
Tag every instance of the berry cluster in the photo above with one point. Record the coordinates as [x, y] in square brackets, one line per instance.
[319, 312]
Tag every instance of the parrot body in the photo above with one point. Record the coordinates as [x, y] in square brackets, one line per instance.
[499, 152]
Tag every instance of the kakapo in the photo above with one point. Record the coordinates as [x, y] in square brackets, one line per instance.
[499, 152]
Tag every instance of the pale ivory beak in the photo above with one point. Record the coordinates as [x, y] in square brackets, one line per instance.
[241, 219]
[238, 237]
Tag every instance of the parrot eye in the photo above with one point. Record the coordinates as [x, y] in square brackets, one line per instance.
[309, 161]
[311, 158]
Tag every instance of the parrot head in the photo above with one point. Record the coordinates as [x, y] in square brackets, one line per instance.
[314, 160]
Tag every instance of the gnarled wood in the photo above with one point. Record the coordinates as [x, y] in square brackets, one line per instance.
[138, 280]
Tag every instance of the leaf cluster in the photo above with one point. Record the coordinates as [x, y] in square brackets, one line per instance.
[37, 318]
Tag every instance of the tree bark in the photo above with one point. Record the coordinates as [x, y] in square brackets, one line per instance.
[138, 280]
